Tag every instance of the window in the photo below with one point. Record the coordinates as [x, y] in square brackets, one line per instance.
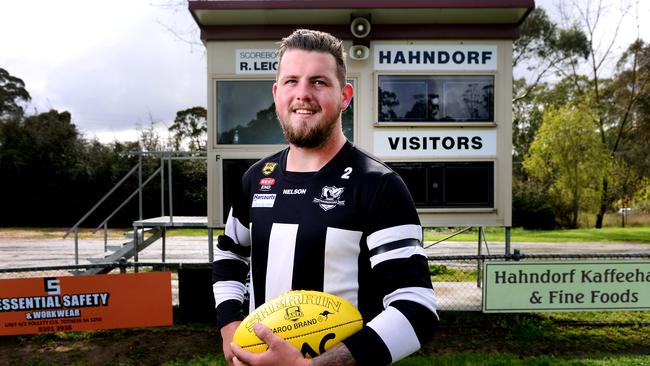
[436, 98]
[449, 184]
[245, 114]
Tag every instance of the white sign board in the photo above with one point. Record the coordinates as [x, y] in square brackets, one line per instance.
[256, 61]
[435, 143]
[435, 57]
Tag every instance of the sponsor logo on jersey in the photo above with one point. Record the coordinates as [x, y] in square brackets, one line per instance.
[266, 184]
[269, 168]
[330, 197]
[295, 191]
[263, 200]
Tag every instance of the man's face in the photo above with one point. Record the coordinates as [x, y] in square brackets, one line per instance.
[308, 97]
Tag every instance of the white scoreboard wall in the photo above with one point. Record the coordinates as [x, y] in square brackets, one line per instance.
[435, 105]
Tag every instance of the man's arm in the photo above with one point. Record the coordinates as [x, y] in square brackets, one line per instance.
[339, 355]
[400, 270]
[227, 332]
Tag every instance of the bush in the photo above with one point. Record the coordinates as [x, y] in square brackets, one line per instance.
[531, 208]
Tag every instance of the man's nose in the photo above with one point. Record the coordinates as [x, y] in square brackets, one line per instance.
[303, 91]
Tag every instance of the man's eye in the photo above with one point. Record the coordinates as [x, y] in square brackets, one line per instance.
[319, 82]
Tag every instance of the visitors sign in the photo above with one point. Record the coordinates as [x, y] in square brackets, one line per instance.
[566, 286]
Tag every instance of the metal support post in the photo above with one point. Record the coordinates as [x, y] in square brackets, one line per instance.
[210, 247]
[140, 184]
[135, 247]
[171, 202]
[507, 241]
[162, 185]
[478, 263]
[76, 245]
[164, 242]
[105, 237]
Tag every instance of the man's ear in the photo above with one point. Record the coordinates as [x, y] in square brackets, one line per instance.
[346, 96]
[275, 88]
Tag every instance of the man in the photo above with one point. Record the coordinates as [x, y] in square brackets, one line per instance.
[323, 215]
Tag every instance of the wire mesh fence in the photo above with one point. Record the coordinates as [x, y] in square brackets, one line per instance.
[457, 280]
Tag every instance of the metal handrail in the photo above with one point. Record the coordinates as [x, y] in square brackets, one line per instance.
[75, 226]
[138, 190]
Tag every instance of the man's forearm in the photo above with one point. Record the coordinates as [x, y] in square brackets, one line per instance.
[338, 355]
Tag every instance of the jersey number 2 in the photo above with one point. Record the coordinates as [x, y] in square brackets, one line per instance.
[347, 173]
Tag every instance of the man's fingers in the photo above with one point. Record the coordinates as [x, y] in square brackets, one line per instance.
[265, 334]
[241, 356]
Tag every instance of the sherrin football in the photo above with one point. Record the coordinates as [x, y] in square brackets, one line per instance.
[312, 321]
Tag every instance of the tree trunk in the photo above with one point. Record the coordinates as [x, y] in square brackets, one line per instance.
[603, 204]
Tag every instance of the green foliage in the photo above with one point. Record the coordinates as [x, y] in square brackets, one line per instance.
[12, 94]
[190, 129]
[530, 206]
[641, 199]
[569, 158]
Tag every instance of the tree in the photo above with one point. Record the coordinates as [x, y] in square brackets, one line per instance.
[39, 159]
[190, 129]
[544, 49]
[568, 157]
[588, 15]
[12, 93]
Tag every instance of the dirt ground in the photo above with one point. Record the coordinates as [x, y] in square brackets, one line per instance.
[123, 347]
[458, 332]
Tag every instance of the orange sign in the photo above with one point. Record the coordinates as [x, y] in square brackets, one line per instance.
[74, 303]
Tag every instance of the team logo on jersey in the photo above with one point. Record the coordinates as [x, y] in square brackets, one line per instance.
[269, 168]
[330, 197]
[266, 184]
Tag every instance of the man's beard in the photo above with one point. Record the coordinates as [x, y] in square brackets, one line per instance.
[307, 136]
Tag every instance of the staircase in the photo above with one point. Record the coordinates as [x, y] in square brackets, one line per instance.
[126, 251]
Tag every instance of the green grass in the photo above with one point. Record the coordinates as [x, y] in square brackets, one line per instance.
[606, 235]
[442, 273]
[495, 234]
[473, 359]
[506, 359]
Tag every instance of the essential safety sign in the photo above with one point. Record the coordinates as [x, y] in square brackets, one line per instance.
[75, 303]
[566, 286]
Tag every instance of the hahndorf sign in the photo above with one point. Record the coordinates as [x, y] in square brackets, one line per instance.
[566, 286]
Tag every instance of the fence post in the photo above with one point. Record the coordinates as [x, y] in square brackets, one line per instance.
[76, 245]
[135, 247]
[105, 237]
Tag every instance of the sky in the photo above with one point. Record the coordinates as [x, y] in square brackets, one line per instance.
[117, 66]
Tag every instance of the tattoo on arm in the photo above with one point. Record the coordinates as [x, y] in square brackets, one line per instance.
[338, 355]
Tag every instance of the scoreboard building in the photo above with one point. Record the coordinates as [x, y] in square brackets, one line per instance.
[433, 90]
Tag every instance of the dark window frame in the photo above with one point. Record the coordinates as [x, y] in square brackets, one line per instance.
[446, 190]
[431, 100]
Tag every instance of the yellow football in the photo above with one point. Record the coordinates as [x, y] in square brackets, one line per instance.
[312, 321]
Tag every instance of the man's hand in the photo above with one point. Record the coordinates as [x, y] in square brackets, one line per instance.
[280, 352]
[227, 332]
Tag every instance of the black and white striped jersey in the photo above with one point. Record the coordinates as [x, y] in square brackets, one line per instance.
[350, 229]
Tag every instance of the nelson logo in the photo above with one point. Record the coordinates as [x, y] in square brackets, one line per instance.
[330, 197]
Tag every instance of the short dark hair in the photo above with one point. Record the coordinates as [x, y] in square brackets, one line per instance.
[312, 40]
